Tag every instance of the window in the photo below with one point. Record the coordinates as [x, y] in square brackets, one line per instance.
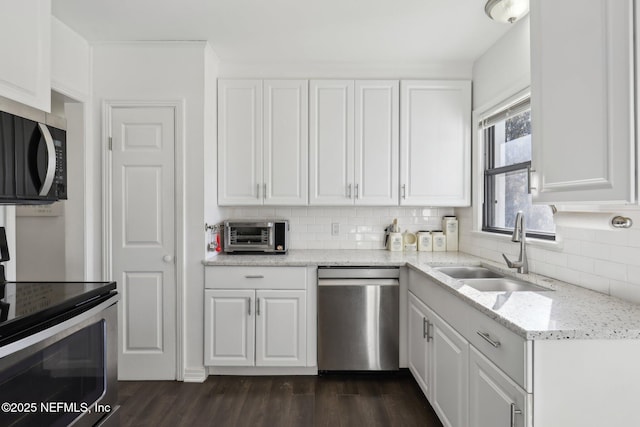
[506, 138]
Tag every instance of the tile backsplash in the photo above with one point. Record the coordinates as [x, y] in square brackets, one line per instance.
[359, 227]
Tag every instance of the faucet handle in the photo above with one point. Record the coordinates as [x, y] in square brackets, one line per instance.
[512, 264]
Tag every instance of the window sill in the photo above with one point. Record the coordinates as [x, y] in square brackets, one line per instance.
[552, 245]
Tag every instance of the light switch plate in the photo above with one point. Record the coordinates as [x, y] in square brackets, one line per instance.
[335, 228]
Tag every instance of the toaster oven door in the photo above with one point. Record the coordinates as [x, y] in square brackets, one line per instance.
[249, 237]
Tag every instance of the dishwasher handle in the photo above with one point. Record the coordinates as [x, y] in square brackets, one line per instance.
[358, 282]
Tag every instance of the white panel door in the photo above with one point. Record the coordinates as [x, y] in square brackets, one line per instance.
[240, 142]
[376, 142]
[418, 344]
[143, 241]
[286, 142]
[25, 74]
[281, 328]
[494, 399]
[435, 143]
[450, 385]
[229, 327]
[582, 101]
[331, 142]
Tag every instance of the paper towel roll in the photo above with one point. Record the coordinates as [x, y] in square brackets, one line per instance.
[589, 220]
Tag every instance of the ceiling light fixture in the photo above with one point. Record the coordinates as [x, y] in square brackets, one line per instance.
[507, 11]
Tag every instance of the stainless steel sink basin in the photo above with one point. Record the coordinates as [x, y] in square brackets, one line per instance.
[469, 272]
[503, 285]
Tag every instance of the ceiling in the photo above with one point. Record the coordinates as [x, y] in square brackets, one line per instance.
[411, 31]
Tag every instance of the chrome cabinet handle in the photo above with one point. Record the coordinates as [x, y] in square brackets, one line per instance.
[488, 339]
[257, 276]
[348, 191]
[257, 191]
[264, 190]
[429, 327]
[404, 191]
[357, 191]
[249, 305]
[514, 411]
[424, 327]
[258, 306]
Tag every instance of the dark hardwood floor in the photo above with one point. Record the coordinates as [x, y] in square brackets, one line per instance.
[298, 401]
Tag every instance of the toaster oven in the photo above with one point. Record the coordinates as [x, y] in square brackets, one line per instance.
[268, 236]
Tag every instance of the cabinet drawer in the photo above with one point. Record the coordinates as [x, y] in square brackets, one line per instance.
[503, 347]
[225, 277]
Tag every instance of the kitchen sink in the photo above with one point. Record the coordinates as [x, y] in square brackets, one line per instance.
[503, 284]
[468, 272]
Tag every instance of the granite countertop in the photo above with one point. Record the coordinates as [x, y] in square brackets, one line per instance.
[567, 312]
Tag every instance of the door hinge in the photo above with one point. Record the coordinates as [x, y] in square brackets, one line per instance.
[110, 144]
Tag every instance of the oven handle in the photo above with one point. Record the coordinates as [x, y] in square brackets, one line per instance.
[26, 342]
[51, 159]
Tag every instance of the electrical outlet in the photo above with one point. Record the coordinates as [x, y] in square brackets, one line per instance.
[335, 228]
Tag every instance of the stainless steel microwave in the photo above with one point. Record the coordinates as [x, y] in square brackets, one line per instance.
[268, 236]
[32, 155]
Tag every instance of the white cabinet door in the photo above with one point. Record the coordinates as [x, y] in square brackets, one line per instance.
[376, 142]
[25, 31]
[286, 136]
[418, 351]
[450, 384]
[494, 399]
[229, 327]
[240, 142]
[281, 336]
[331, 142]
[582, 101]
[435, 143]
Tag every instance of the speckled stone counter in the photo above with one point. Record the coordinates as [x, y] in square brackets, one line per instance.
[566, 312]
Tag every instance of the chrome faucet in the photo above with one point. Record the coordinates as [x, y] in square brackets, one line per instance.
[519, 235]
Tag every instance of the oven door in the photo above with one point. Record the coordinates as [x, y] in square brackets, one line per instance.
[63, 375]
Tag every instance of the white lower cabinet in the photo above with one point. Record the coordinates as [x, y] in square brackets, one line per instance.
[248, 323]
[438, 357]
[255, 328]
[494, 399]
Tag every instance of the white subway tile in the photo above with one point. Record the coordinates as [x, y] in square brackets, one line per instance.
[633, 274]
[625, 291]
[612, 237]
[593, 282]
[625, 254]
[581, 263]
[610, 270]
[595, 250]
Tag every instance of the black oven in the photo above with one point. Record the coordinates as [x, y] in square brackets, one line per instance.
[58, 354]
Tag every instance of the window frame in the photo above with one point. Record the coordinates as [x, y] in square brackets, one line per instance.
[489, 171]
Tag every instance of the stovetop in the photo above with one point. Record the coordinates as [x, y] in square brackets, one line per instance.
[28, 305]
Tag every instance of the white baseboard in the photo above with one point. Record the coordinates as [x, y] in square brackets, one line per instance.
[195, 375]
[253, 370]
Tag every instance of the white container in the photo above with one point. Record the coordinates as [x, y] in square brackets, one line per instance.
[395, 242]
[425, 242]
[450, 227]
[410, 242]
[439, 241]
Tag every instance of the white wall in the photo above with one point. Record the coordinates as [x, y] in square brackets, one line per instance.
[163, 71]
[70, 62]
[607, 261]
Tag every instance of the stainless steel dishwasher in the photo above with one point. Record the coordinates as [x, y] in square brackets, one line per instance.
[358, 319]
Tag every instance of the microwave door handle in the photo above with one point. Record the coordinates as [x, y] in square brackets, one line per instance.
[51, 160]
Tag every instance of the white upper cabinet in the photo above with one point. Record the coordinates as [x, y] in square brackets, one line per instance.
[582, 101]
[435, 143]
[354, 142]
[331, 142]
[239, 142]
[25, 31]
[376, 142]
[286, 142]
[262, 142]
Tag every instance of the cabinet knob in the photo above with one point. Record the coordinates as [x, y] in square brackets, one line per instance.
[167, 258]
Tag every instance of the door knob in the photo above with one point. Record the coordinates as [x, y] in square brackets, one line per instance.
[167, 259]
